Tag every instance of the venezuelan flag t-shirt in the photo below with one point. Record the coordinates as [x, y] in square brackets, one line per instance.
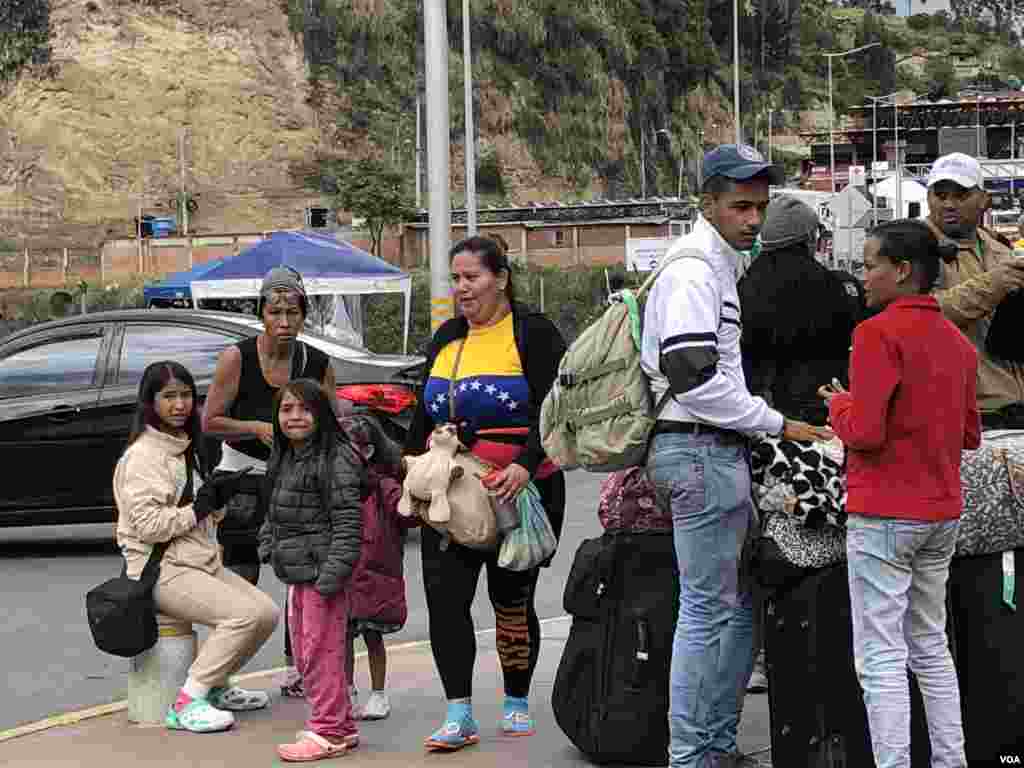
[490, 388]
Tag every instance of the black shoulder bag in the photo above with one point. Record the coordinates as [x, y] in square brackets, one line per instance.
[121, 611]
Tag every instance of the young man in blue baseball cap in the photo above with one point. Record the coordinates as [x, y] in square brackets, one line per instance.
[698, 454]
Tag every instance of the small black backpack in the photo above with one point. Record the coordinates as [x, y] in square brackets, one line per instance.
[121, 611]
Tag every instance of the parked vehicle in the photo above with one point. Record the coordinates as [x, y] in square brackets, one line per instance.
[68, 391]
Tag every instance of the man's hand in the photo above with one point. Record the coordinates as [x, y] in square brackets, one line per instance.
[804, 432]
[1010, 274]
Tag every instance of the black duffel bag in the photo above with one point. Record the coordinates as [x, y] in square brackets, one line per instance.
[122, 615]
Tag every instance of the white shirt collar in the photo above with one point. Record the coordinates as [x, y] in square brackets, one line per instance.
[718, 248]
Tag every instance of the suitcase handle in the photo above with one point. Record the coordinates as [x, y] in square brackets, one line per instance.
[641, 651]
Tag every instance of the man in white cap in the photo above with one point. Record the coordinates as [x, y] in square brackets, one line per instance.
[983, 274]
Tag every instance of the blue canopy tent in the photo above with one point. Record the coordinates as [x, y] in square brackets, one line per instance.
[329, 267]
[176, 286]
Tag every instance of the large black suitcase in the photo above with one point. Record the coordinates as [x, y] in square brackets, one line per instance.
[816, 706]
[610, 695]
[988, 637]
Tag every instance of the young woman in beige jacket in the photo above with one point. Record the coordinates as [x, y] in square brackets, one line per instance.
[155, 504]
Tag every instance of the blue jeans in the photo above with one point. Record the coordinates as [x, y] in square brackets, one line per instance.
[705, 480]
[898, 573]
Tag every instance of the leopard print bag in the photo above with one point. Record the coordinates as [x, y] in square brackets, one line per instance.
[800, 489]
[992, 481]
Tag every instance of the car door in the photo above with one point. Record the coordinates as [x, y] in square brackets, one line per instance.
[136, 346]
[49, 388]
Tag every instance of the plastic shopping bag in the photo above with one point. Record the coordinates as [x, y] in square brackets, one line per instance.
[533, 541]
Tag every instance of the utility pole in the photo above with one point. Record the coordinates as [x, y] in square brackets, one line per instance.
[435, 27]
[182, 202]
[736, 69]
[419, 154]
[470, 133]
[643, 164]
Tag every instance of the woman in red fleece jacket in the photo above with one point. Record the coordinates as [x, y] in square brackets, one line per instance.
[910, 411]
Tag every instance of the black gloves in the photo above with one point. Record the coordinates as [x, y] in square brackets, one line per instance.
[216, 492]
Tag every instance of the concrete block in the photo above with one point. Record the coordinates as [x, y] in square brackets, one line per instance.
[156, 675]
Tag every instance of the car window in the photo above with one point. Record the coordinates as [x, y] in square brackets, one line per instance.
[51, 366]
[194, 348]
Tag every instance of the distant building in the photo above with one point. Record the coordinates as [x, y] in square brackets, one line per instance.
[989, 126]
[561, 235]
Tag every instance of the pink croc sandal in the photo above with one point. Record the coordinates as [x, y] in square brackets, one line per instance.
[309, 748]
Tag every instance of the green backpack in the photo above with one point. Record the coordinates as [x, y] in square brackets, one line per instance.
[600, 412]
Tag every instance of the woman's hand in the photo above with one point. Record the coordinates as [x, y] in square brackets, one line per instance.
[829, 391]
[508, 482]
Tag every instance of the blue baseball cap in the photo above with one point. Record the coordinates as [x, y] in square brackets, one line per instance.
[740, 162]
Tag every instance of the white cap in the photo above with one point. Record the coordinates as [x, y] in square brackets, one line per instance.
[956, 167]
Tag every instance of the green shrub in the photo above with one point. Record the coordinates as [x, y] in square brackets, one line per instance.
[24, 35]
[919, 22]
[488, 174]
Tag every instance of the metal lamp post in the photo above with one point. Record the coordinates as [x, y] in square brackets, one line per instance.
[736, 69]
[831, 110]
[643, 163]
[874, 150]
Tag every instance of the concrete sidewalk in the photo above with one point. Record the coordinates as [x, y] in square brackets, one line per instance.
[417, 706]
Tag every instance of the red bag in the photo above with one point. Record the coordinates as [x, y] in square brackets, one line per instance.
[628, 503]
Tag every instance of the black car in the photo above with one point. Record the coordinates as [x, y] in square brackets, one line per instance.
[68, 391]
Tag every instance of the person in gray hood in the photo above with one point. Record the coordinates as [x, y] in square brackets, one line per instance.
[798, 321]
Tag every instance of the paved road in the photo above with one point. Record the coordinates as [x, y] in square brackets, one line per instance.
[52, 666]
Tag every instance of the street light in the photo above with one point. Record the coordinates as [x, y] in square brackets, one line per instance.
[831, 110]
[874, 150]
[736, 68]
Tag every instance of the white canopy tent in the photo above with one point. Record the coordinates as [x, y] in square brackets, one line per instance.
[911, 192]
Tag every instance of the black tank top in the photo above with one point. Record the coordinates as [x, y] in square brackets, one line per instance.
[255, 399]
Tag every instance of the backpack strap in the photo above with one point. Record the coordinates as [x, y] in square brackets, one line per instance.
[686, 253]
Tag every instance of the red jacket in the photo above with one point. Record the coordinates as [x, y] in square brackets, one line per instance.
[377, 587]
[910, 412]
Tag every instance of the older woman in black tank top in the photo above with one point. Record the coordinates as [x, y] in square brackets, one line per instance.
[240, 402]
[239, 407]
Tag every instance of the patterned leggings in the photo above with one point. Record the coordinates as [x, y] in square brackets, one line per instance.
[450, 579]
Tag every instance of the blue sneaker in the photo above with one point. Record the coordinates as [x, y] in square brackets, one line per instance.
[454, 734]
[517, 720]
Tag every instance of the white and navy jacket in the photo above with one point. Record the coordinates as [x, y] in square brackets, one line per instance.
[691, 339]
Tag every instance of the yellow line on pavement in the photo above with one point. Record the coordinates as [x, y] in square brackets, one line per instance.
[73, 718]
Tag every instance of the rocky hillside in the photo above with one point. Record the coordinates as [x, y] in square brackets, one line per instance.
[87, 139]
[247, 99]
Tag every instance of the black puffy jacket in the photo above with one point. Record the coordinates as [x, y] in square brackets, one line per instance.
[304, 539]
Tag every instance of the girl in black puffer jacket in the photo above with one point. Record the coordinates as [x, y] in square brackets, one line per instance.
[312, 535]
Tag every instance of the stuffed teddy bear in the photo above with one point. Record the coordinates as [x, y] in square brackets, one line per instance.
[428, 476]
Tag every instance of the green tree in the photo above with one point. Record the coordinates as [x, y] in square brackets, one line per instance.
[940, 77]
[372, 190]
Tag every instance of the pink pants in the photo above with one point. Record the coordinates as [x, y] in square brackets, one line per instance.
[319, 629]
